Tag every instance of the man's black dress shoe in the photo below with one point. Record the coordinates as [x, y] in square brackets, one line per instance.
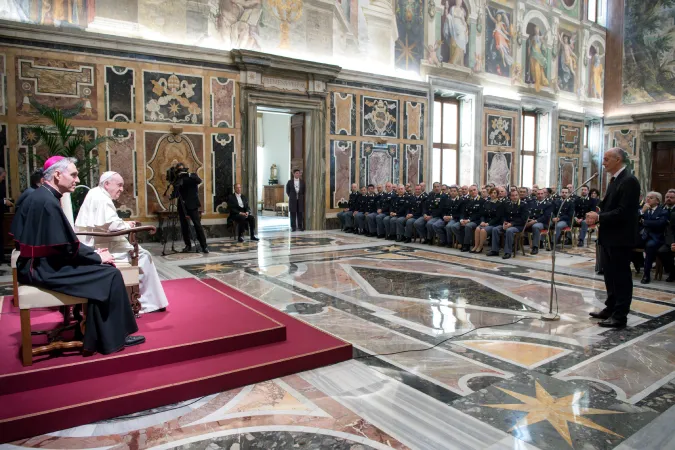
[186, 250]
[645, 280]
[604, 314]
[491, 253]
[253, 238]
[293, 230]
[407, 240]
[671, 278]
[535, 250]
[465, 248]
[241, 239]
[506, 256]
[612, 323]
[133, 340]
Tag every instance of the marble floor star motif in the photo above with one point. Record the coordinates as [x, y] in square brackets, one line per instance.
[557, 411]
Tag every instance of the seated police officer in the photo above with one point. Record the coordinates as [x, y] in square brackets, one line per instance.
[515, 216]
[415, 210]
[563, 213]
[346, 217]
[369, 208]
[470, 218]
[583, 205]
[436, 207]
[540, 218]
[399, 209]
[451, 216]
[422, 222]
[360, 210]
[383, 208]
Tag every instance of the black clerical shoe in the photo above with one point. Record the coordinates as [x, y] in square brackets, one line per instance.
[187, 249]
[612, 323]
[160, 310]
[671, 278]
[645, 280]
[398, 239]
[241, 239]
[407, 240]
[253, 238]
[580, 244]
[506, 256]
[604, 314]
[535, 250]
[491, 253]
[465, 248]
[205, 250]
[133, 340]
[293, 230]
[381, 236]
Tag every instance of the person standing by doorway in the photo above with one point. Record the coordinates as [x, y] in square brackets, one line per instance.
[295, 189]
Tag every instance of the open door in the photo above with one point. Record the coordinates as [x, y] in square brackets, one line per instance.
[298, 142]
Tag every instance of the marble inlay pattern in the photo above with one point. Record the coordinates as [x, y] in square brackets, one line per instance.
[450, 353]
[633, 369]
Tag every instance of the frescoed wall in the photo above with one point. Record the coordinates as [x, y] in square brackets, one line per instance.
[508, 42]
[643, 58]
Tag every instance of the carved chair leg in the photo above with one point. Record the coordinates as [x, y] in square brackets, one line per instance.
[26, 342]
[134, 296]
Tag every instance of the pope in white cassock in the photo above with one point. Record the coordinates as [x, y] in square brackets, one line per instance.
[98, 213]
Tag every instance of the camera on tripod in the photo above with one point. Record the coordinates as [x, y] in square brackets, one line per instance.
[175, 176]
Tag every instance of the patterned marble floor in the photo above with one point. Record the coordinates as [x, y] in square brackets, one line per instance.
[450, 353]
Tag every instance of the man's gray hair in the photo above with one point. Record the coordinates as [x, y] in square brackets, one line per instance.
[671, 191]
[658, 196]
[621, 153]
[59, 166]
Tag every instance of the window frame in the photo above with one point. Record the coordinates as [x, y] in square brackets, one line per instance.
[523, 152]
[442, 145]
[597, 10]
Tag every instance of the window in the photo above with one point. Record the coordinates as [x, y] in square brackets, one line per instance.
[445, 157]
[586, 136]
[528, 142]
[595, 11]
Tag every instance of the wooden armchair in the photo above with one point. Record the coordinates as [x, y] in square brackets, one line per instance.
[130, 272]
[30, 297]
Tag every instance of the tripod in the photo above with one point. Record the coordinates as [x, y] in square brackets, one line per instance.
[174, 217]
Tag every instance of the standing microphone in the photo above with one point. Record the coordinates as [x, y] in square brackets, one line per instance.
[551, 315]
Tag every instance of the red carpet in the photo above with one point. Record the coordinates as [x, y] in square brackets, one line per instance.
[32, 411]
[183, 332]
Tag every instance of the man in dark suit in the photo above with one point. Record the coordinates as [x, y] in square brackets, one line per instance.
[187, 191]
[295, 189]
[666, 251]
[240, 212]
[618, 219]
[654, 219]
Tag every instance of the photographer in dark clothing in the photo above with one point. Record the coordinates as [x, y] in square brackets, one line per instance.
[186, 191]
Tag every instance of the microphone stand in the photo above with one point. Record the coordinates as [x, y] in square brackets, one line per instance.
[551, 316]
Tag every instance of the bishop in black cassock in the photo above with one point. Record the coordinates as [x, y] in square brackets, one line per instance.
[53, 258]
